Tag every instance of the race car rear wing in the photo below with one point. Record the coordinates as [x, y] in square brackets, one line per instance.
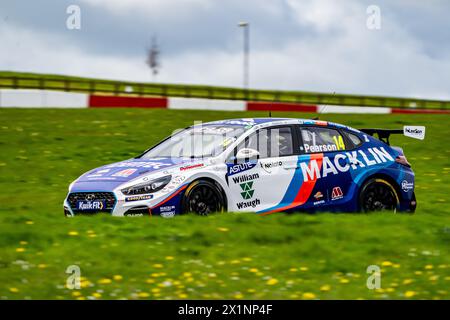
[416, 132]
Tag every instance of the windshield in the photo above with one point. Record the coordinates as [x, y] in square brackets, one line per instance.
[197, 142]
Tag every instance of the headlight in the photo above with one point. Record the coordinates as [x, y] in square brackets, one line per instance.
[147, 187]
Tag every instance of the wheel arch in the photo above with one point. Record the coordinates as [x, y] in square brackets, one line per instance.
[383, 176]
[216, 183]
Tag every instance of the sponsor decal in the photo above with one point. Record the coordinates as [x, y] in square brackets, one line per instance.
[139, 164]
[130, 214]
[89, 205]
[245, 178]
[267, 166]
[240, 167]
[318, 195]
[139, 198]
[407, 186]
[124, 173]
[167, 211]
[248, 204]
[193, 166]
[247, 190]
[344, 162]
[337, 193]
[316, 203]
[416, 132]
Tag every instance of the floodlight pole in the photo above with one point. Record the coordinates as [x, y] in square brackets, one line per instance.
[246, 28]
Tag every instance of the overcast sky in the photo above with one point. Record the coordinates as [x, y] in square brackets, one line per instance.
[320, 45]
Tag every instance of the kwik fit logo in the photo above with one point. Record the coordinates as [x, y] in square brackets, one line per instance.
[247, 190]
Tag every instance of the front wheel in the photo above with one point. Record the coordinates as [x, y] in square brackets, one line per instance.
[203, 197]
[378, 195]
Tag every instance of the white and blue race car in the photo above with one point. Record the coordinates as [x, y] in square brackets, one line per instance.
[262, 165]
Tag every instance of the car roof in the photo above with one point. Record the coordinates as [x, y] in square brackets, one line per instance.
[250, 122]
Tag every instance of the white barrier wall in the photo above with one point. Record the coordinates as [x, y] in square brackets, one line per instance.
[346, 109]
[42, 99]
[206, 104]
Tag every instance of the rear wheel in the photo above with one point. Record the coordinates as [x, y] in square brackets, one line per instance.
[378, 195]
[203, 197]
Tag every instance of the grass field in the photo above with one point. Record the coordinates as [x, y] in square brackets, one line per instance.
[240, 256]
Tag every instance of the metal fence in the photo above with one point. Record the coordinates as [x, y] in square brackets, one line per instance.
[74, 84]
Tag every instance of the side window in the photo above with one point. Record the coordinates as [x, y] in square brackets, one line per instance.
[269, 142]
[316, 140]
[354, 139]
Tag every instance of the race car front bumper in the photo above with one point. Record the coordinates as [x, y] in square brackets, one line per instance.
[117, 204]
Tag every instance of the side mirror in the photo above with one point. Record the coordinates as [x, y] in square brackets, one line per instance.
[247, 153]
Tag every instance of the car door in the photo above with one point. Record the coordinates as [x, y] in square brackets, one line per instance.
[260, 182]
[324, 167]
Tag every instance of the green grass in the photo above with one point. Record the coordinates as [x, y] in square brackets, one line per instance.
[26, 80]
[223, 256]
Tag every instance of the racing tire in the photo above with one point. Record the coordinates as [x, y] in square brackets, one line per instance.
[378, 195]
[203, 197]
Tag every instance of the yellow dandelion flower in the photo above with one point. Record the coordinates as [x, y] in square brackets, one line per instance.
[344, 280]
[42, 266]
[187, 274]
[293, 269]
[23, 243]
[235, 261]
[238, 296]
[294, 296]
[155, 275]
[251, 290]
[418, 273]
[253, 270]
[20, 250]
[390, 290]
[247, 259]
[29, 222]
[90, 231]
[304, 268]
[272, 281]
[150, 281]
[433, 278]
[156, 290]
[97, 295]
[259, 274]
[396, 265]
[81, 298]
[13, 290]
[92, 235]
[104, 281]
[73, 233]
[447, 278]
[223, 229]
[143, 295]
[409, 294]
[158, 265]
[407, 281]
[308, 296]
[386, 264]
[76, 293]
[325, 288]
[189, 279]
[182, 296]
[117, 277]
[169, 258]
[429, 267]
